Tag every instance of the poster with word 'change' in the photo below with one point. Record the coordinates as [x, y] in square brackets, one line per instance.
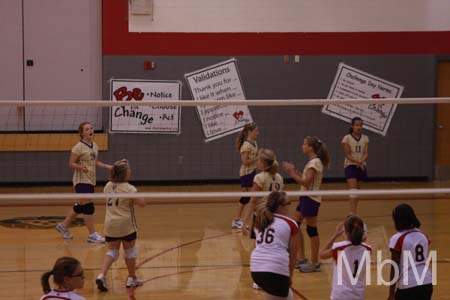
[351, 83]
[160, 119]
[219, 82]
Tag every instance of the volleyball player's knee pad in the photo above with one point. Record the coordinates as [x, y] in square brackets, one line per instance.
[114, 253]
[89, 208]
[244, 200]
[312, 231]
[131, 253]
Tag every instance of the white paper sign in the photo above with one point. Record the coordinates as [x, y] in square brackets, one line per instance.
[219, 82]
[351, 83]
[145, 119]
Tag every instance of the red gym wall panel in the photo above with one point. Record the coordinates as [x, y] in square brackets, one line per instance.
[118, 41]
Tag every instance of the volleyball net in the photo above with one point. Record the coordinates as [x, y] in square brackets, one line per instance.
[186, 148]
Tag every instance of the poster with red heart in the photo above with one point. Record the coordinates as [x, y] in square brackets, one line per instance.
[219, 82]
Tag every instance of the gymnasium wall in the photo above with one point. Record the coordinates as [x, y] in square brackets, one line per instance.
[386, 40]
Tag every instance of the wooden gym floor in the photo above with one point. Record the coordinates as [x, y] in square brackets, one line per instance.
[188, 251]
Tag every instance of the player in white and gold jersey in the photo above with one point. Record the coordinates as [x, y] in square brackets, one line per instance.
[84, 161]
[308, 208]
[248, 148]
[267, 180]
[356, 151]
[120, 224]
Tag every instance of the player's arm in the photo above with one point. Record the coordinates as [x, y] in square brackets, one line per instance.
[395, 256]
[348, 153]
[251, 206]
[74, 165]
[327, 251]
[100, 164]
[290, 169]
[139, 202]
[292, 249]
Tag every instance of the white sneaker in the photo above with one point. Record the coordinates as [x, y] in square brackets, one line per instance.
[256, 287]
[65, 233]
[101, 283]
[95, 238]
[132, 282]
[237, 224]
[309, 268]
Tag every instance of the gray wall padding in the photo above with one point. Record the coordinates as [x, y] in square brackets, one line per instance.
[406, 151]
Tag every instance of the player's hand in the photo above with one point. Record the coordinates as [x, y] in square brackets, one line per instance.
[245, 229]
[108, 167]
[288, 167]
[84, 169]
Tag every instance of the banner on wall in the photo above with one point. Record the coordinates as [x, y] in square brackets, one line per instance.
[145, 119]
[219, 82]
[351, 83]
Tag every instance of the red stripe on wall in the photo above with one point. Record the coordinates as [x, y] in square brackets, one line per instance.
[118, 41]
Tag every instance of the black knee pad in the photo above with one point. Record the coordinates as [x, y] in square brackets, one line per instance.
[312, 231]
[89, 208]
[244, 200]
[78, 208]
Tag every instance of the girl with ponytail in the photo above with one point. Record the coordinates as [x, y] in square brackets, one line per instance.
[308, 207]
[352, 252]
[273, 259]
[248, 148]
[268, 179]
[67, 276]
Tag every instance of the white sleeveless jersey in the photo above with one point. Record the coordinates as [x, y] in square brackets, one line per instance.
[120, 219]
[252, 149]
[271, 251]
[356, 146]
[355, 256]
[87, 157]
[416, 243]
[268, 182]
[316, 165]
[53, 295]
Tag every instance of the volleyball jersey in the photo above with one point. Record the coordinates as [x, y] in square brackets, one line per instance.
[53, 295]
[354, 254]
[252, 149]
[417, 243]
[119, 219]
[356, 147]
[87, 156]
[268, 182]
[315, 164]
[271, 251]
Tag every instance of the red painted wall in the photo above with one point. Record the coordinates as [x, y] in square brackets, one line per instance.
[118, 41]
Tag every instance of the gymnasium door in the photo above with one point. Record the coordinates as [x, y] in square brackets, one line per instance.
[442, 146]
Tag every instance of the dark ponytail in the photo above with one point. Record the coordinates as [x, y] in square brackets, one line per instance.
[354, 120]
[319, 148]
[264, 215]
[45, 283]
[354, 226]
[243, 134]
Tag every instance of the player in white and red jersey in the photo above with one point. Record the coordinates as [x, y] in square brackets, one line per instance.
[350, 259]
[67, 275]
[409, 240]
[273, 259]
